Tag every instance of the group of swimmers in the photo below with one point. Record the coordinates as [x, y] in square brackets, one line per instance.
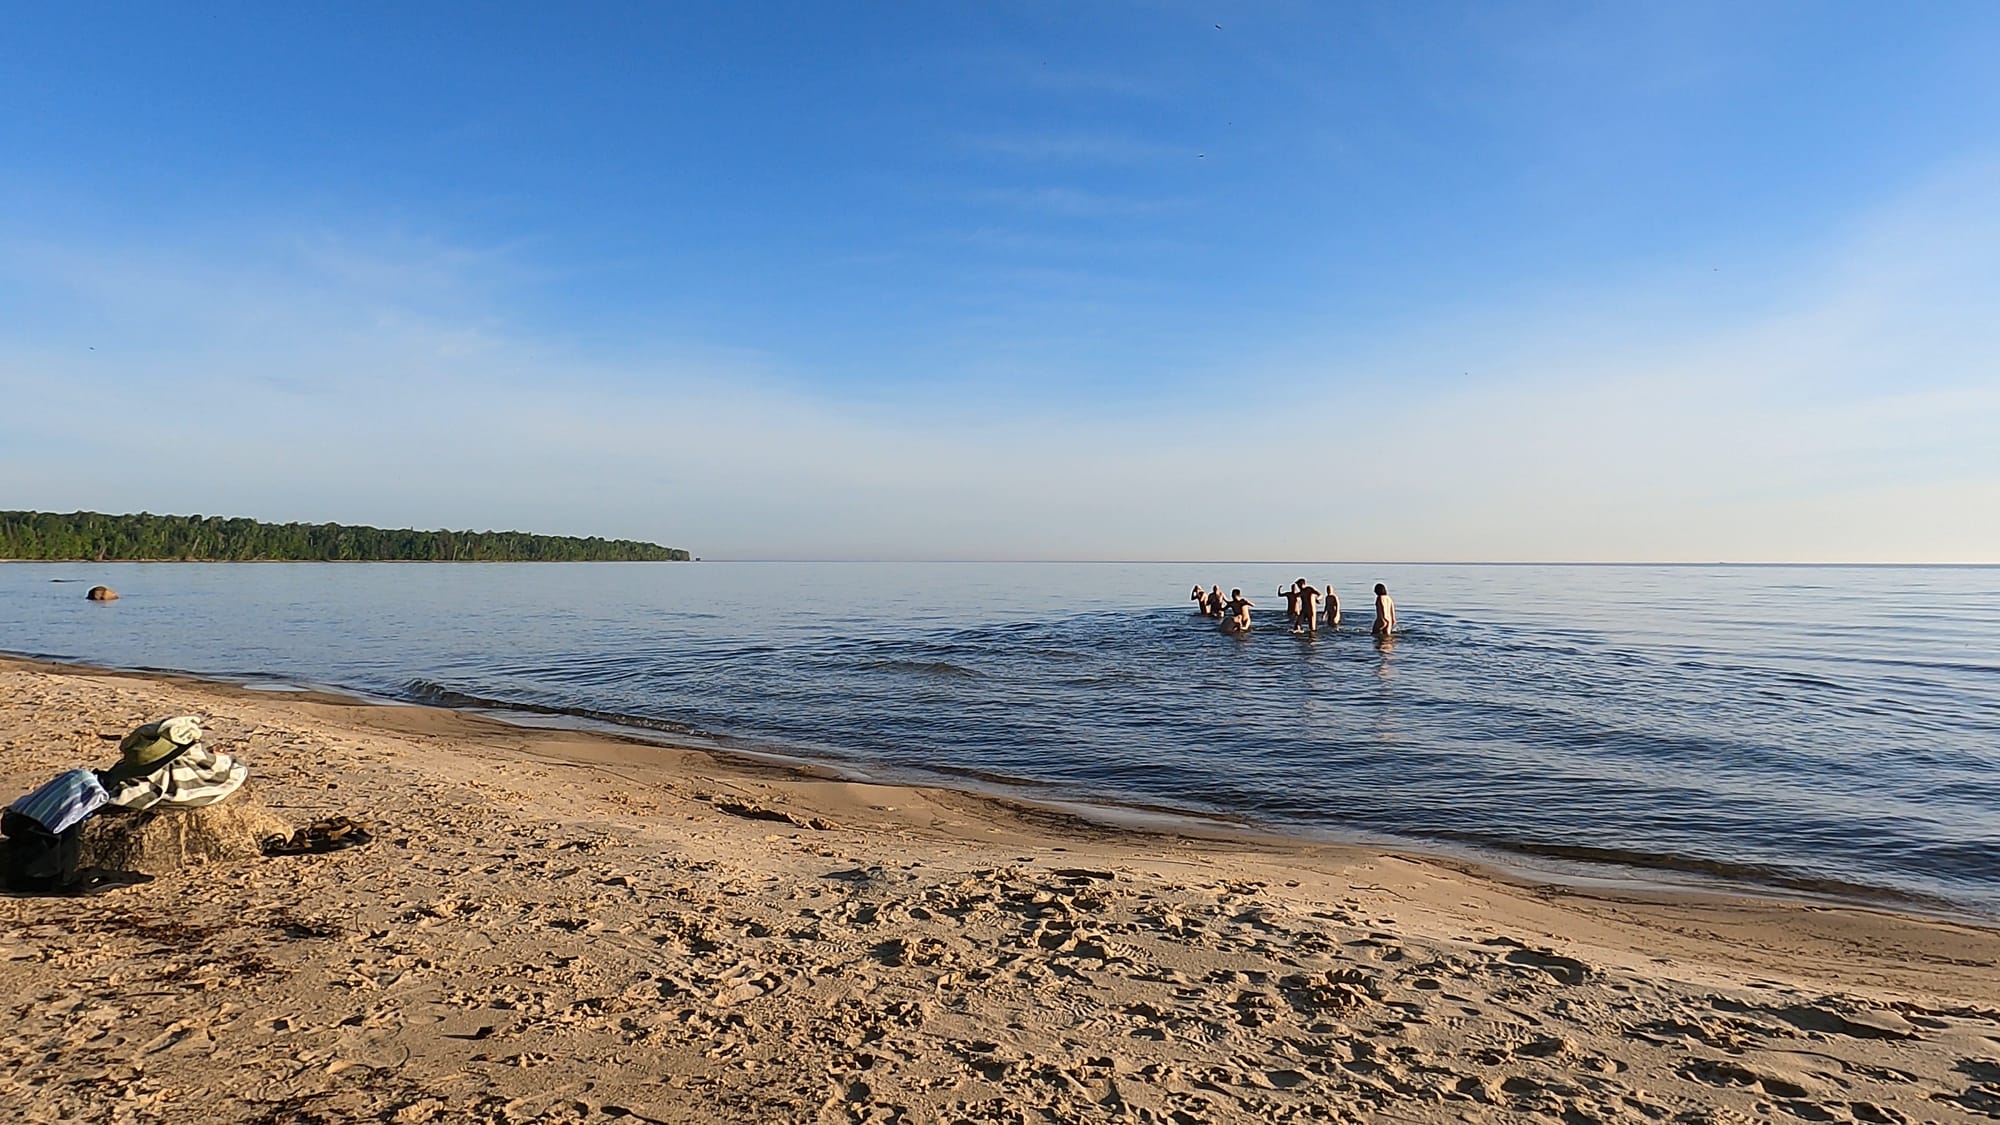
[1302, 606]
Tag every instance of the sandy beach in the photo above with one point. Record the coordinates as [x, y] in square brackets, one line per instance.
[560, 926]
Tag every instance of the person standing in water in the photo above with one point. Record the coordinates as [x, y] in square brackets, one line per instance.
[1215, 601]
[1291, 596]
[1308, 606]
[1385, 611]
[1332, 608]
[1200, 600]
[1238, 621]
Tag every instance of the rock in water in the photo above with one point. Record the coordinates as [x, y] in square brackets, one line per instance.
[163, 841]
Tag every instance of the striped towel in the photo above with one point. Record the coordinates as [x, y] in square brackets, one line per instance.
[62, 802]
[198, 777]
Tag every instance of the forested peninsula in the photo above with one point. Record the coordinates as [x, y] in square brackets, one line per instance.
[93, 536]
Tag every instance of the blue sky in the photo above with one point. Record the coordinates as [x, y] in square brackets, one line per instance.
[1414, 281]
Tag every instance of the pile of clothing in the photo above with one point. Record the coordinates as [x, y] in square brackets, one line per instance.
[165, 765]
[161, 765]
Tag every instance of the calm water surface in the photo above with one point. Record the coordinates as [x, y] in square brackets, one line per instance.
[1817, 728]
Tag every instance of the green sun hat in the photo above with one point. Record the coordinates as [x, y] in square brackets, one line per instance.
[150, 747]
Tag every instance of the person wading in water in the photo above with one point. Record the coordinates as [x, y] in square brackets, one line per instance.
[1308, 608]
[1291, 596]
[1385, 611]
[1238, 621]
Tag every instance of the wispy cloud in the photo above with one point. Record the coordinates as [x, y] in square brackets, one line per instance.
[1074, 203]
[1073, 148]
[1589, 432]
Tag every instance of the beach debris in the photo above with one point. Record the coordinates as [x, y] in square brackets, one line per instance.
[855, 874]
[1082, 875]
[758, 812]
[102, 594]
[163, 840]
[328, 834]
[295, 927]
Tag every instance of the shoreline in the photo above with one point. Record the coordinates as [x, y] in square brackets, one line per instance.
[1552, 865]
[564, 926]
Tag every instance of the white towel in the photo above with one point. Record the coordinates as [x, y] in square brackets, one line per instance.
[196, 778]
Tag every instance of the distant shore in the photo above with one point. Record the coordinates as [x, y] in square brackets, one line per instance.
[555, 925]
[144, 536]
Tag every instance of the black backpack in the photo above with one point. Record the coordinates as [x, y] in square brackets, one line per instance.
[34, 859]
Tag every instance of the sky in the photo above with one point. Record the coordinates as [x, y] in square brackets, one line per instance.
[1309, 281]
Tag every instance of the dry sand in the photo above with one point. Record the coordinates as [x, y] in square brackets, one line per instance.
[555, 926]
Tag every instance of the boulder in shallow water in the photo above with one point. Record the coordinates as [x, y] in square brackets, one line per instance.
[162, 841]
[102, 594]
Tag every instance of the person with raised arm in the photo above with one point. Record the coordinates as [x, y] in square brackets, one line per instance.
[1308, 607]
[1291, 595]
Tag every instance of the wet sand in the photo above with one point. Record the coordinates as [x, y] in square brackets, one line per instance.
[560, 926]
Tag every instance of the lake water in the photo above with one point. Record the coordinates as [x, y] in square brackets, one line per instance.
[1832, 729]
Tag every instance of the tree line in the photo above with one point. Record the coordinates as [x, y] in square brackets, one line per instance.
[95, 536]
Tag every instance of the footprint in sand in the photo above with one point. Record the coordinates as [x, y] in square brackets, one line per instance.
[745, 983]
[1728, 1074]
[1564, 970]
[1380, 947]
[1856, 1023]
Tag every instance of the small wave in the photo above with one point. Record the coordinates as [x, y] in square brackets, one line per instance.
[1802, 679]
[921, 667]
[1747, 873]
[438, 695]
[1971, 860]
[1113, 679]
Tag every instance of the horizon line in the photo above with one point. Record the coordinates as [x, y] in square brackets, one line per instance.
[1360, 562]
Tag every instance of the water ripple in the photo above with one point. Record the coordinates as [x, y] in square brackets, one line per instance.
[1809, 728]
